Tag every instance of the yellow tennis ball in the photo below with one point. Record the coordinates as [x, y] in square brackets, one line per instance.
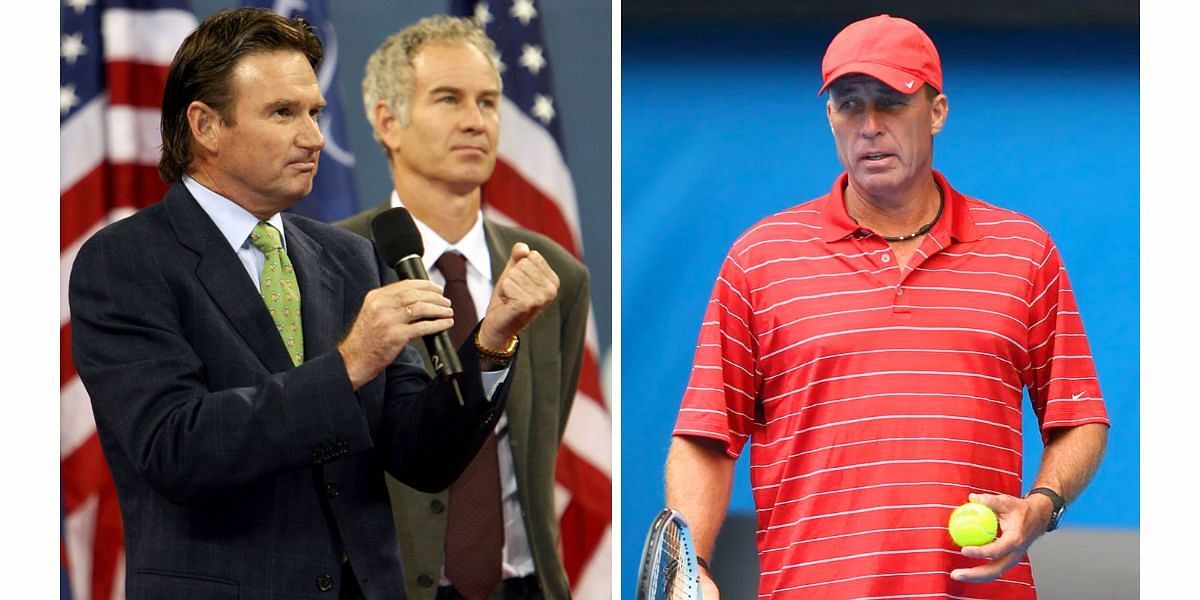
[973, 524]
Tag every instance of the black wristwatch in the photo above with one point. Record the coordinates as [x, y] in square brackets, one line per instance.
[1060, 505]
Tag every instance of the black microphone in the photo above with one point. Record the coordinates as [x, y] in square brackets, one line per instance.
[399, 244]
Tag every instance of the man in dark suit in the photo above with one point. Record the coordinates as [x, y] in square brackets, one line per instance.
[248, 370]
[432, 93]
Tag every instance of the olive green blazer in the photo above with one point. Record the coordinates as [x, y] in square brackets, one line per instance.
[539, 402]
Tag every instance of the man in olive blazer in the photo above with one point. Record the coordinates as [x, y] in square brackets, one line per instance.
[432, 95]
[539, 402]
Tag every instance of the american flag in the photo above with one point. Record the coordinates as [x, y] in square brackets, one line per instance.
[332, 196]
[531, 187]
[113, 64]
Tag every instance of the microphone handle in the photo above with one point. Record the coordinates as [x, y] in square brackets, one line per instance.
[441, 351]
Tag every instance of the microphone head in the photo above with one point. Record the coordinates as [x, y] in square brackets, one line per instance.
[396, 235]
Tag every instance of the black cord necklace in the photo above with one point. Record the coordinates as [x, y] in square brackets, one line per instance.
[924, 228]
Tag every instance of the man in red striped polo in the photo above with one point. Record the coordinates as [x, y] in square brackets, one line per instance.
[872, 346]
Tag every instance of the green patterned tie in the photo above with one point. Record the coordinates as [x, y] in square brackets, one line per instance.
[279, 288]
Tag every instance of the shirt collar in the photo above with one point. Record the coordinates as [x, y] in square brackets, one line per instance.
[234, 222]
[473, 245]
[956, 219]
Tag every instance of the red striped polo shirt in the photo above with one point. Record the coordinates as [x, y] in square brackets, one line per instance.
[876, 398]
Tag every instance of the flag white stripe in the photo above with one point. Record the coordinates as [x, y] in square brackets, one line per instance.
[587, 433]
[81, 533]
[122, 134]
[532, 152]
[144, 36]
[76, 421]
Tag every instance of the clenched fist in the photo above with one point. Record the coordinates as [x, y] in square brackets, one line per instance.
[525, 287]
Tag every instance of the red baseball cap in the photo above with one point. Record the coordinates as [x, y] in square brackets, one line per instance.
[892, 50]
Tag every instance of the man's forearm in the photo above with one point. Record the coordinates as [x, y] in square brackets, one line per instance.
[699, 477]
[1071, 458]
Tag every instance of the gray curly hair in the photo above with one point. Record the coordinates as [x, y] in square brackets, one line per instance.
[390, 75]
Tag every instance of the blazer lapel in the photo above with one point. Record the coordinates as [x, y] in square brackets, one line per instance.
[224, 278]
[321, 291]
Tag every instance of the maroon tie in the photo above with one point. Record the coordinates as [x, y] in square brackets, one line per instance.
[475, 524]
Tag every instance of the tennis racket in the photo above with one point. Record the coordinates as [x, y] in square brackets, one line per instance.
[668, 570]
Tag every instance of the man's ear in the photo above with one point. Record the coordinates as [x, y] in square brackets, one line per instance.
[941, 110]
[205, 125]
[387, 126]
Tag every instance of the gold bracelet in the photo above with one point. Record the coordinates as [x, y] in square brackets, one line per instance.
[498, 358]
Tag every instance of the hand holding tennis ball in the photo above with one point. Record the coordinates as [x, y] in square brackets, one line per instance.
[973, 524]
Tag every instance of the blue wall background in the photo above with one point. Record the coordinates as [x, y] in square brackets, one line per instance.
[721, 126]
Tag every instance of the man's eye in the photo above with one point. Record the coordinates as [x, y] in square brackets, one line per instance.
[489, 103]
[448, 100]
[283, 112]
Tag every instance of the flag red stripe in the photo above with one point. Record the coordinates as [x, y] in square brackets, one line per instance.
[135, 84]
[589, 513]
[584, 534]
[104, 188]
[83, 474]
[509, 193]
[590, 486]
[66, 367]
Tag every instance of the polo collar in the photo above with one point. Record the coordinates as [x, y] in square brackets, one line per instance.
[956, 220]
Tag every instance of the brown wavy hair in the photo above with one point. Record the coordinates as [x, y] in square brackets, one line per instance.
[204, 63]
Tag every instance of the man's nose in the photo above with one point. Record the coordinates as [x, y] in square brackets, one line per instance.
[310, 137]
[871, 125]
[473, 119]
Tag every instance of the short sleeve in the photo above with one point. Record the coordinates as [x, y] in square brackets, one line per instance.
[720, 399]
[1061, 376]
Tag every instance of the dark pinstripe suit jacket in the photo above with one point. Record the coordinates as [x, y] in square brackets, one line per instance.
[239, 475]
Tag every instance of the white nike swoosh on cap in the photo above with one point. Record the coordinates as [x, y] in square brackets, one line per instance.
[910, 84]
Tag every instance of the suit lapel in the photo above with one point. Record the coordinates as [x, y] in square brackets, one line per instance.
[223, 276]
[321, 291]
